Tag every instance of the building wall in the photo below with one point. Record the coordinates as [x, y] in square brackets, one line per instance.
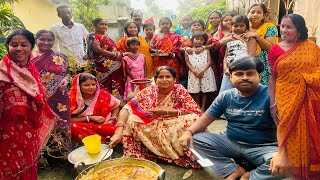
[36, 14]
[309, 9]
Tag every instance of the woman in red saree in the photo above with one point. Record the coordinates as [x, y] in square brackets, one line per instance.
[295, 100]
[26, 120]
[217, 44]
[102, 51]
[152, 122]
[168, 42]
[93, 110]
[54, 75]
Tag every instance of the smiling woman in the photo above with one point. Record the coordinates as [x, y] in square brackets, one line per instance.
[151, 123]
[54, 74]
[93, 110]
[25, 117]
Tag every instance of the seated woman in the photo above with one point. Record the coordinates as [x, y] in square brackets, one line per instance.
[93, 110]
[151, 123]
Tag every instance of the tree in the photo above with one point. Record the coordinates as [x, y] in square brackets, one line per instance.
[200, 9]
[84, 11]
[8, 22]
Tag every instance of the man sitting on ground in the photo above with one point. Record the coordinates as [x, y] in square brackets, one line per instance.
[250, 133]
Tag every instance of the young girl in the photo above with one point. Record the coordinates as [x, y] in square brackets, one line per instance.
[148, 29]
[135, 67]
[237, 48]
[201, 77]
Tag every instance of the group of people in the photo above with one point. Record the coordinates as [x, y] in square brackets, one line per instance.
[269, 93]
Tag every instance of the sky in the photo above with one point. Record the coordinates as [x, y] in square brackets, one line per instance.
[165, 4]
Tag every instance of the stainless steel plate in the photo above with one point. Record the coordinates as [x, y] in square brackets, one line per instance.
[81, 155]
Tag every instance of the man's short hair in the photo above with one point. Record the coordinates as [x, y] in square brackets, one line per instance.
[62, 7]
[246, 63]
[136, 10]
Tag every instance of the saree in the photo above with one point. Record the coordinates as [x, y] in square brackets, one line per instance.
[109, 71]
[150, 137]
[267, 29]
[53, 68]
[297, 97]
[26, 120]
[170, 43]
[217, 56]
[101, 105]
[143, 49]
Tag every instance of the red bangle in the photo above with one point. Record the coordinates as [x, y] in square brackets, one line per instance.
[190, 131]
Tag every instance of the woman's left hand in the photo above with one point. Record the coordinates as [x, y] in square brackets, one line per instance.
[199, 50]
[159, 112]
[64, 82]
[248, 35]
[97, 119]
[279, 164]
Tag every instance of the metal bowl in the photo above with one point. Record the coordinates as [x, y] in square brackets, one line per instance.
[123, 161]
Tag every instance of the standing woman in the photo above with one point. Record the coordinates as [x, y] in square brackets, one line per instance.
[132, 30]
[102, 50]
[26, 120]
[213, 22]
[54, 75]
[265, 33]
[295, 99]
[218, 46]
[168, 42]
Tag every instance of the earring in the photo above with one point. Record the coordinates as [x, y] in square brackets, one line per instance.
[298, 35]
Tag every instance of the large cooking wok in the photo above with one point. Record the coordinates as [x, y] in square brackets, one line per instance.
[121, 161]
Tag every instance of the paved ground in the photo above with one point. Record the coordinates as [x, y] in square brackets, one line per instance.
[65, 171]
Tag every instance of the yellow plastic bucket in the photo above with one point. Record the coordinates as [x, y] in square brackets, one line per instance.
[92, 143]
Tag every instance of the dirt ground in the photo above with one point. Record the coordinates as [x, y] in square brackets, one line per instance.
[63, 170]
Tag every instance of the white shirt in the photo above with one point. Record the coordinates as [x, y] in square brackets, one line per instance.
[236, 49]
[70, 41]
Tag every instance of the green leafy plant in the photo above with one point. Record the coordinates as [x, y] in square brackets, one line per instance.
[84, 11]
[199, 9]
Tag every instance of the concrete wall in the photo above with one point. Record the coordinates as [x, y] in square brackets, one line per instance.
[309, 9]
[36, 14]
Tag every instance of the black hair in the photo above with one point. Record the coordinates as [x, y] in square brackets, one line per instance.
[127, 25]
[200, 34]
[96, 21]
[246, 63]
[23, 32]
[166, 18]
[214, 11]
[43, 31]
[136, 10]
[59, 8]
[147, 24]
[300, 24]
[85, 76]
[160, 68]
[131, 40]
[227, 14]
[263, 7]
[241, 18]
[200, 21]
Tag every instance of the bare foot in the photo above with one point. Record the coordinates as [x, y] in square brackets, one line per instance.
[236, 173]
[245, 176]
